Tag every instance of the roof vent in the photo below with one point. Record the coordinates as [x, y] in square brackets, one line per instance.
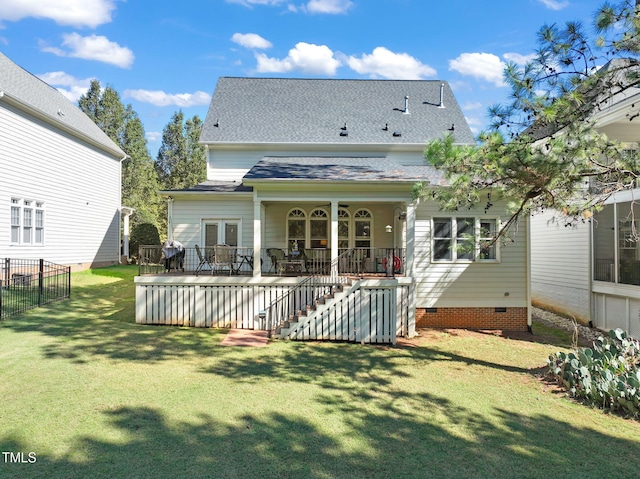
[453, 127]
[441, 105]
[386, 127]
[60, 112]
[397, 133]
[217, 123]
[406, 105]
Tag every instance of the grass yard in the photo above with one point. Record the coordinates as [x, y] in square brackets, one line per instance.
[93, 395]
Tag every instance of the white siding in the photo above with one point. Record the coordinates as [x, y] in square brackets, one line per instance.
[233, 164]
[78, 184]
[560, 266]
[476, 284]
[188, 216]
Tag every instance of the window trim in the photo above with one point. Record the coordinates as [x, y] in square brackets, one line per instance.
[27, 228]
[221, 222]
[454, 239]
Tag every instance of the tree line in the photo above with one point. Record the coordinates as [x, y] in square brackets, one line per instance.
[180, 163]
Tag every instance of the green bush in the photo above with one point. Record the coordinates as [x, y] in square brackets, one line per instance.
[607, 375]
[143, 234]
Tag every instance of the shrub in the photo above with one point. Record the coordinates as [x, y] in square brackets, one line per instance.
[143, 234]
[607, 375]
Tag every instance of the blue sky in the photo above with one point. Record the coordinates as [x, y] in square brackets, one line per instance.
[163, 56]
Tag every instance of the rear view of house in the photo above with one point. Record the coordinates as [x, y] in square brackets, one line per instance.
[311, 179]
[60, 181]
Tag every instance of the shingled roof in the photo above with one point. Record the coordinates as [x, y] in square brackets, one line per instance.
[29, 92]
[341, 169]
[327, 111]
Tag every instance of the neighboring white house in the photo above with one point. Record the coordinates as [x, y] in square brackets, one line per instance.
[60, 180]
[592, 271]
[327, 167]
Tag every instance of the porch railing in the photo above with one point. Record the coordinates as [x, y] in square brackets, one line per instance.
[351, 261]
[28, 283]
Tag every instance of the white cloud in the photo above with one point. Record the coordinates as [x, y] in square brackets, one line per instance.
[160, 98]
[304, 57]
[75, 87]
[93, 47]
[251, 3]
[471, 105]
[519, 59]
[387, 64]
[485, 66]
[251, 40]
[77, 13]
[331, 7]
[153, 135]
[328, 6]
[555, 4]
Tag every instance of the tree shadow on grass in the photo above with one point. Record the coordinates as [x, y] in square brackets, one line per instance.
[376, 442]
[99, 321]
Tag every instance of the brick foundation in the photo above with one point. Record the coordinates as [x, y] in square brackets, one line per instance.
[510, 319]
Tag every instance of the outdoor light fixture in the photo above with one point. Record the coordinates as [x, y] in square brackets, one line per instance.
[388, 228]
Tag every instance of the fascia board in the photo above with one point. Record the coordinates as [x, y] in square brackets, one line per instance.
[194, 194]
[328, 147]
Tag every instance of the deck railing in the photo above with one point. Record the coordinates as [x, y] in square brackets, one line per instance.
[358, 261]
[28, 283]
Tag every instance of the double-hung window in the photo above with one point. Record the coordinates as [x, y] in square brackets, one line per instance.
[464, 239]
[27, 222]
[16, 211]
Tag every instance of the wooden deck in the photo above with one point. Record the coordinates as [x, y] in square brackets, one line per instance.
[371, 309]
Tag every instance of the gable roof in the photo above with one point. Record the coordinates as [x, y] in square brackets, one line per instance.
[287, 110]
[30, 93]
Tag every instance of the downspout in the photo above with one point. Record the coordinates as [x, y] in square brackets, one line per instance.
[528, 286]
[170, 218]
[120, 226]
[125, 242]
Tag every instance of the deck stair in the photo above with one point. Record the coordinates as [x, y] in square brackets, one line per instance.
[322, 307]
[330, 307]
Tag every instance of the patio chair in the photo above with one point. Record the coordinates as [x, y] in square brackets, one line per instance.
[276, 255]
[223, 257]
[204, 260]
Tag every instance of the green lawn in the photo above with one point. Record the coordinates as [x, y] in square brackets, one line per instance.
[93, 395]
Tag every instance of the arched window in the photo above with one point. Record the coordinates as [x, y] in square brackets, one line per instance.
[362, 221]
[319, 228]
[296, 228]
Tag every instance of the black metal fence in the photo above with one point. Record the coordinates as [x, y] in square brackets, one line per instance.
[29, 283]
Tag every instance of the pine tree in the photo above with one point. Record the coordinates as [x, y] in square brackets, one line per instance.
[181, 161]
[542, 150]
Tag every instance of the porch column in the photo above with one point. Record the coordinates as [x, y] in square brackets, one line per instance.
[334, 237]
[410, 246]
[257, 236]
[410, 227]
